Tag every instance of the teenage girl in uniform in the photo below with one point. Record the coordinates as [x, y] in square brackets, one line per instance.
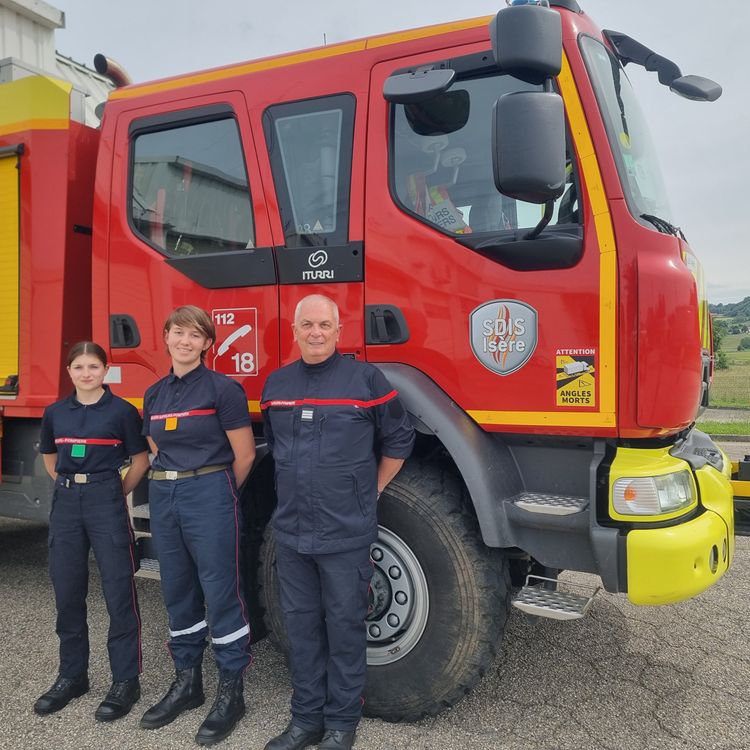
[86, 438]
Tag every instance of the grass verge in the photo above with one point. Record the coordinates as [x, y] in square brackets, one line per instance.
[712, 427]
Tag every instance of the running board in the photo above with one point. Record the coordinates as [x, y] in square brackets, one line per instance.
[535, 599]
[558, 505]
[149, 569]
[139, 511]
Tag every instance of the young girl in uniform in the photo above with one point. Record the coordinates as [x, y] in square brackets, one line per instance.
[85, 440]
[198, 425]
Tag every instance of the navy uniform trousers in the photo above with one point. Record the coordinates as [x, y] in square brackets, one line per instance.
[196, 526]
[324, 601]
[86, 516]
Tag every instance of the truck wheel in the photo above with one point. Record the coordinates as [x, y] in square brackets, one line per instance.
[440, 598]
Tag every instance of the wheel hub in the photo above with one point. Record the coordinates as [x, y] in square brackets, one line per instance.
[399, 600]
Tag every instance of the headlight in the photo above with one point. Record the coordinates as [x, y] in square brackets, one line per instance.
[652, 496]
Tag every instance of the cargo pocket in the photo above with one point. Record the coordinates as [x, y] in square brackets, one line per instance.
[118, 561]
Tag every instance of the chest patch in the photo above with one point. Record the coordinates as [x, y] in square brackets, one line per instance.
[78, 450]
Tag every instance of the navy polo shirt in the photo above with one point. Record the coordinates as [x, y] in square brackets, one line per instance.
[188, 417]
[90, 438]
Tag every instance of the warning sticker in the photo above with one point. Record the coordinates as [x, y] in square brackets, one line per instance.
[576, 377]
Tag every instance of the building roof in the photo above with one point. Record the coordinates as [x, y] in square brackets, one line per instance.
[95, 87]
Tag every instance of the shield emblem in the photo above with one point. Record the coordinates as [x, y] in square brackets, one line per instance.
[503, 334]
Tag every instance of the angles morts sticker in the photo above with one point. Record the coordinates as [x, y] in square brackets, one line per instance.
[503, 334]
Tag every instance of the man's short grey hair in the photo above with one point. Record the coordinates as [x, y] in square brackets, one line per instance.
[317, 298]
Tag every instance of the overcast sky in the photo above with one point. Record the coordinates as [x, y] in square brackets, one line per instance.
[704, 149]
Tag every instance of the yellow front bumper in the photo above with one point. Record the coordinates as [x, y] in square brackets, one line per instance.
[670, 564]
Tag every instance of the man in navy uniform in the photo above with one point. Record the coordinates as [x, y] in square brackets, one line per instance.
[338, 434]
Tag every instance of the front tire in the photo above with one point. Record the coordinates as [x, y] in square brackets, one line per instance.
[440, 598]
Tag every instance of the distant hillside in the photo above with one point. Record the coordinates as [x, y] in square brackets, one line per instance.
[733, 309]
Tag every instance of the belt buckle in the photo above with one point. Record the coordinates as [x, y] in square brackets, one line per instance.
[80, 478]
[170, 475]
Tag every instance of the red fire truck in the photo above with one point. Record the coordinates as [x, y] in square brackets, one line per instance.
[483, 201]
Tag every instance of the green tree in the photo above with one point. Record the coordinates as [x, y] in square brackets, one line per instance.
[744, 343]
[721, 362]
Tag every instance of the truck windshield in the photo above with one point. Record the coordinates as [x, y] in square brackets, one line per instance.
[628, 133]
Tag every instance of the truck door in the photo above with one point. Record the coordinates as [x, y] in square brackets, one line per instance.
[188, 225]
[314, 155]
[507, 324]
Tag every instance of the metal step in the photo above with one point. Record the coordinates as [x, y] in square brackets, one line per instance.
[149, 568]
[557, 605]
[139, 511]
[558, 505]
[138, 534]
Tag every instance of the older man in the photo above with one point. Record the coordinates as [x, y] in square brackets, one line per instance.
[338, 434]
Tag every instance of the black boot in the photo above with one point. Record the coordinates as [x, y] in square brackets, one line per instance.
[184, 693]
[295, 738]
[227, 710]
[337, 739]
[61, 693]
[120, 699]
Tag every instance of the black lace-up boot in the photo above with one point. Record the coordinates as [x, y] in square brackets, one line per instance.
[184, 693]
[61, 693]
[227, 710]
[295, 738]
[337, 739]
[120, 699]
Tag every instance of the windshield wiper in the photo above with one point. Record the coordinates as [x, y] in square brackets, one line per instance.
[664, 226]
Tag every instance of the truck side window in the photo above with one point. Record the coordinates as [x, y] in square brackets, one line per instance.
[441, 162]
[189, 192]
[310, 149]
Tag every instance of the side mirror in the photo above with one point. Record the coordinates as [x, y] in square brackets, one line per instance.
[527, 42]
[417, 85]
[697, 88]
[528, 146]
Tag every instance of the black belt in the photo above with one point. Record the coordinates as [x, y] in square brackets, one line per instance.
[96, 476]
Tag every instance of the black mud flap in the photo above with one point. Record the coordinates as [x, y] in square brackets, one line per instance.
[741, 488]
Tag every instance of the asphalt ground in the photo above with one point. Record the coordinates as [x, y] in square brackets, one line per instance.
[668, 678]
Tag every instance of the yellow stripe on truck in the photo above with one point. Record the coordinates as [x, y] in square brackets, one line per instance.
[9, 249]
[295, 58]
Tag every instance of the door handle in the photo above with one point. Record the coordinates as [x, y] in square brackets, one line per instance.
[123, 332]
[386, 324]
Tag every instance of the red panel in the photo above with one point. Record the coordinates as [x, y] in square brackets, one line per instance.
[437, 283]
[669, 345]
[56, 184]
